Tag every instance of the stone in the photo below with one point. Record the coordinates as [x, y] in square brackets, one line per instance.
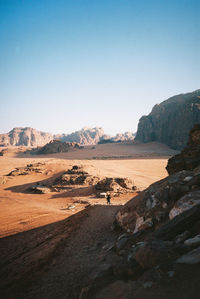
[189, 158]
[192, 257]
[182, 237]
[185, 203]
[193, 241]
[178, 224]
[121, 243]
[147, 284]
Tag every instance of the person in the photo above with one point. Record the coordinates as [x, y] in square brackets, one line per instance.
[108, 197]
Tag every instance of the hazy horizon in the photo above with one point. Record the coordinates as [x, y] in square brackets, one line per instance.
[65, 65]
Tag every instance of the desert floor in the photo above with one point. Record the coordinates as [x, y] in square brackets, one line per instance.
[36, 228]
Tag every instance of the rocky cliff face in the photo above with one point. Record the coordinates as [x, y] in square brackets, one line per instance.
[86, 136]
[171, 121]
[25, 136]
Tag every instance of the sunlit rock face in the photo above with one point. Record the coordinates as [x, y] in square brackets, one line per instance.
[25, 137]
[171, 121]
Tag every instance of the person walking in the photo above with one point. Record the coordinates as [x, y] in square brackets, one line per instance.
[108, 197]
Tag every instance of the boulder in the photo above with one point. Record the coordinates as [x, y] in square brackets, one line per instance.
[189, 158]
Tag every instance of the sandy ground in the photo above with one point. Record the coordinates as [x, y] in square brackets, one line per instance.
[21, 211]
[34, 226]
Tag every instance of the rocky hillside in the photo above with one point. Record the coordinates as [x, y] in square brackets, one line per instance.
[157, 251]
[25, 136]
[120, 137]
[86, 136]
[56, 146]
[167, 121]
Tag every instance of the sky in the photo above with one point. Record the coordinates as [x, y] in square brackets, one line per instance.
[69, 64]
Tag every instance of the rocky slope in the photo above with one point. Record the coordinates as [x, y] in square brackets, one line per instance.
[120, 137]
[25, 136]
[55, 146]
[158, 243]
[167, 121]
[189, 158]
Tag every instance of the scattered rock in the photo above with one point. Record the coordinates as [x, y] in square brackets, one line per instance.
[193, 241]
[193, 257]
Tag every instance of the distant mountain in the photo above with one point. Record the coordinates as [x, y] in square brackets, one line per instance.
[171, 121]
[120, 137]
[25, 136]
[86, 136]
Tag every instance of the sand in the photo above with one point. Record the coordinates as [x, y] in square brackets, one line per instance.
[36, 228]
[21, 211]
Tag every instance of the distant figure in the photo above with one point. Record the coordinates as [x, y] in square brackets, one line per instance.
[108, 197]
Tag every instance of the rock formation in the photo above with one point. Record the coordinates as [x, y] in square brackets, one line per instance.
[86, 136]
[189, 158]
[56, 146]
[171, 121]
[158, 243]
[120, 137]
[25, 136]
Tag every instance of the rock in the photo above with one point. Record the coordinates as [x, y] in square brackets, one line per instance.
[193, 241]
[147, 284]
[117, 185]
[127, 269]
[55, 146]
[40, 189]
[154, 253]
[193, 257]
[185, 203]
[121, 243]
[85, 136]
[25, 136]
[28, 169]
[178, 224]
[182, 237]
[166, 122]
[142, 224]
[189, 158]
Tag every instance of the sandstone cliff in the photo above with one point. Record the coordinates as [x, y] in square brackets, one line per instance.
[86, 136]
[25, 136]
[171, 121]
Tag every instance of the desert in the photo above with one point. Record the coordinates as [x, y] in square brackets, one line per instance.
[42, 221]
[99, 149]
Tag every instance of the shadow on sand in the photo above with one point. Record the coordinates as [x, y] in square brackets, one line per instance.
[28, 255]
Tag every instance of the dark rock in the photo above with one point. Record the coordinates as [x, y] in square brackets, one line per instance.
[189, 158]
[178, 224]
[192, 257]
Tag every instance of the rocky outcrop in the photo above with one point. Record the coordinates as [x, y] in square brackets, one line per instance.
[120, 137]
[25, 136]
[171, 121]
[158, 239]
[189, 158]
[56, 146]
[86, 136]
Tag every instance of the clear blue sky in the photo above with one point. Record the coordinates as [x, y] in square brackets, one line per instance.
[68, 64]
